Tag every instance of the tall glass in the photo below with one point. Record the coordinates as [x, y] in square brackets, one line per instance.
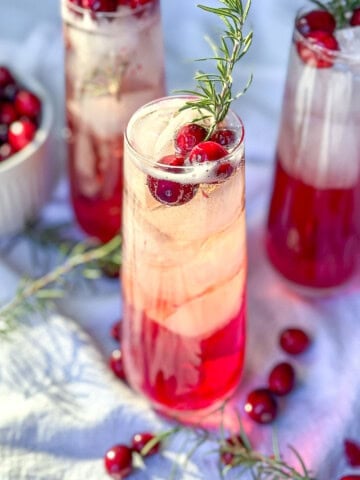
[183, 265]
[313, 231]
[114, 64]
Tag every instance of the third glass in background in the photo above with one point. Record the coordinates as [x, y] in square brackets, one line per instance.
[114, 64]
[313, 233]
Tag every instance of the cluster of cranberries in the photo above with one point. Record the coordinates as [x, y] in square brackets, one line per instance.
[261, 404]
[318, 26]
[192, 148]
[109, 5]
[20, 112]
[119, 458]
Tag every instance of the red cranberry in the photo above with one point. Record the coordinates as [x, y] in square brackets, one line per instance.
[8, 113]
[6, 77]
[188, 136]
[140, 440]
[8, 93]
[352, 453]
[350, 477]
[224, 136]
[118, 461]
[294, 341]
[27, 104]
[21, 133]
[316, 20]
[282, 379]
[167, 191]
[261, 405]
[116, 331]
[355, 18]
[318, 58]
[209, 152]
[116, 364]
[101, 5]
[227, 457]
[5, 151]
[134, 3]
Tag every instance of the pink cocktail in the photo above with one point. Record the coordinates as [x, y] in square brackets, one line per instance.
[313, 235]
[183, 263]
[114, 64]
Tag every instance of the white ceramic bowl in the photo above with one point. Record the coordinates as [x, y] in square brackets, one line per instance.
[26, 178]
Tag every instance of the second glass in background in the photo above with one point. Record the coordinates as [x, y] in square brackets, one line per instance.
[313, 233]
[114, 64]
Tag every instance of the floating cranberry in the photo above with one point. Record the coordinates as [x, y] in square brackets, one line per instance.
[316, 20]
[8, 113]
[211, 151]
[140, 440]
[188, 136]
[167, 191]
[207, 152]
[282, 379]
[355, 18]
[352, 452]
[118, 461]
[116, 331]
[261, 405]
[27, 104]
[5, 151]
[294, 341]
[116, 364]
[226, 457]
[21, 133]
[317, 53]
[101, 5]
[6, 77]
[224, 136]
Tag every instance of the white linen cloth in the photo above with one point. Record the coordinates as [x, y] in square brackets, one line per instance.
[61, 407]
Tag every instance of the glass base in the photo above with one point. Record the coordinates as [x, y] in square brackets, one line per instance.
[198, 417]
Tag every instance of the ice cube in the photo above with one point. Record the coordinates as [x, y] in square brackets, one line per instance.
[349, 41]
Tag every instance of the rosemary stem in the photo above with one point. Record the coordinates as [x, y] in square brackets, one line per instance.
[30, 289]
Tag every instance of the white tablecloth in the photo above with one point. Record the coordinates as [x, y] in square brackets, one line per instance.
[61, 407]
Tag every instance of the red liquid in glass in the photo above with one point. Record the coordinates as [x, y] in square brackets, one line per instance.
[96, 181]
[180, 372]
[312, 233]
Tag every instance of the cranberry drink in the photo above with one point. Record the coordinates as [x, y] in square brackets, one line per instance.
[184, 256]
[314, 219]
[114, 64]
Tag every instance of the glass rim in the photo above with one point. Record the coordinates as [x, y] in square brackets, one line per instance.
[334, 55]
[120, 13]
[148, 160]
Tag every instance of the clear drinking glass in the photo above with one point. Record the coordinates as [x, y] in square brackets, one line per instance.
[113, 64]
[183, 266]
[313, 231]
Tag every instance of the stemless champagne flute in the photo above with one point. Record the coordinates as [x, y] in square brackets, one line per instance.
[114, 64]
[183, 259]
[313, 231]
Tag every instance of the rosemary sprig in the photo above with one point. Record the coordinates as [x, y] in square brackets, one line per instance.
[214, 90]
[35, 294]
[340, 9]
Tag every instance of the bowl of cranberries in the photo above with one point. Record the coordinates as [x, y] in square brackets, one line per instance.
[25, 166]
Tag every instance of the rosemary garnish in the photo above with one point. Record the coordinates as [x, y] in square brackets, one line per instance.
[34, 295]
[340, 9]
[214, 90]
